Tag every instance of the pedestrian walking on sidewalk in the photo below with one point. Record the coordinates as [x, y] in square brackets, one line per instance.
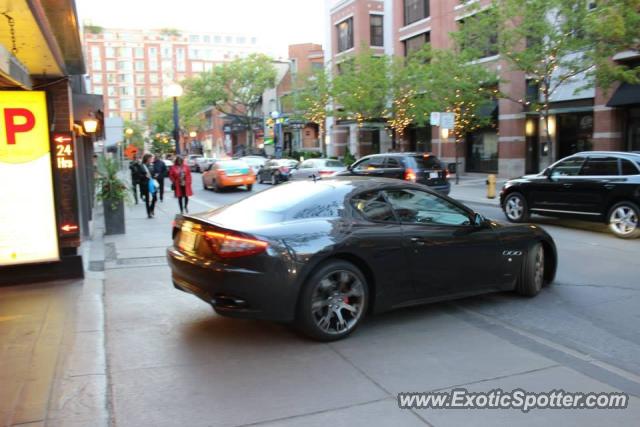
[180, 176]
[136, 174]
[160, 173]
[148, 185]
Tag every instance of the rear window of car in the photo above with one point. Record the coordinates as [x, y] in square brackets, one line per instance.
[428, 162]
[292, 201]
[628, 168]
[231, 164]
[600, 166]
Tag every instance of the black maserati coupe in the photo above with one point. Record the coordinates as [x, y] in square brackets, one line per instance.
[322, 254]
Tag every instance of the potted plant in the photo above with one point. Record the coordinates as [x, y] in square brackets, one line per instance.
[112, 191]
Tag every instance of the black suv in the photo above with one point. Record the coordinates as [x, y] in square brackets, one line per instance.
[423, 168]
[602, 186]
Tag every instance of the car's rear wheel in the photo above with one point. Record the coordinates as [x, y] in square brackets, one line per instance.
[532, 273]
[274, 179]
[515, 208]
[624, 220]
[249, 187]
[204, 185]
[216, 187]
[333, 301]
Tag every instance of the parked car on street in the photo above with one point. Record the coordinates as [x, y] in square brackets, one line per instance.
[228, 173]
[423, 168]
[203, 163]
[320, 168]
[256, 162]
[276, 171]
[322, 254]
[191, 161]
[602, 186]
[168, 162]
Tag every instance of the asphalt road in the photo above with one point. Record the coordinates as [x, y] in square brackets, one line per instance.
[591, 307]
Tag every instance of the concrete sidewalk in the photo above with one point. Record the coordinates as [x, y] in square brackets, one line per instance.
[473, 189]
[52, 363]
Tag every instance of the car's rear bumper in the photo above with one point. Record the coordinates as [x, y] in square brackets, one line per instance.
[237, 181]
[234, 291]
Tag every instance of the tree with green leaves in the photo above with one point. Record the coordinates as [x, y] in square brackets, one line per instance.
[555, 42]
[137, 137]
[361, 87]
[448, 81]
[190, 104]
[311, 99]
[235, 88]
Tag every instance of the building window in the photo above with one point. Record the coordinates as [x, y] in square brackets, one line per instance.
[111, 65]
[345, 35]
[153, 78]
[153, 52]
[97, 90]
[415, 10]
[217, 39]
[194, 38]
[109, 52]
[206, 39]
[415, 43]
[139, 52]
[141, 91]
[111, 78]
[97, 78]
[96, 64]
[377, 35]
[112, 104]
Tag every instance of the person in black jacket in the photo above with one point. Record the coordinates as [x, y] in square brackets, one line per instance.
[160, 173]
[136, 175]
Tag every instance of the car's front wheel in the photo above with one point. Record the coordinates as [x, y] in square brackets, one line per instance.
[249, 187]
[333, 301]
[532, 274]
[624, 220]
[515, 208]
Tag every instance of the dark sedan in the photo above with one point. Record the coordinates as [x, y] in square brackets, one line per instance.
[324, 253]
[275, 171]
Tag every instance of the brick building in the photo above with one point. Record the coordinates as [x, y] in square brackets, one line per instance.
[134, 68]
[587, 120]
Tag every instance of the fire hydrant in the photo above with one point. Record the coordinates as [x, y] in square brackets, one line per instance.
[491, 186]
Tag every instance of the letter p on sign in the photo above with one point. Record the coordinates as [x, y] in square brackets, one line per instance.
[24, 127]
[17, 120]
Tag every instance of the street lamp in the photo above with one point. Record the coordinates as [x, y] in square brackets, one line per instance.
[174, 91]
[128, 132]
[90, 124]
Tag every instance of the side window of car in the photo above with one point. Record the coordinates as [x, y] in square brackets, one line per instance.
[628, 168]
[362, 165]
[393, 163]
[600, 166]
[373, 206]
[307, 164]
[419, 207]
[568, 167]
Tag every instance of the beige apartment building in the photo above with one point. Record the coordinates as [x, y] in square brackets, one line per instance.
[134, 68]
[513, 145]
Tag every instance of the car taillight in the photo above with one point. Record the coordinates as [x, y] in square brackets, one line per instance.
[227, 245]
[220, 172]
[325, 173]
[447, 173]
[409, 175]
[284, 169]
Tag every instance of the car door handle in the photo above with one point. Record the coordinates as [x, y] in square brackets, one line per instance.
[567, 185]
[609, 186]
[418, 241]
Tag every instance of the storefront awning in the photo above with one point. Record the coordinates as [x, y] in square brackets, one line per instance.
[626, 94]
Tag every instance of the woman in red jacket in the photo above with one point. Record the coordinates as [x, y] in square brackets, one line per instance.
[180, 176]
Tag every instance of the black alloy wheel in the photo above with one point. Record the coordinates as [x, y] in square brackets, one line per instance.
[333, 301]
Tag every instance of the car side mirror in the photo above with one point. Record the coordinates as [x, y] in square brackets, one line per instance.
[478, 220]
[547, 173]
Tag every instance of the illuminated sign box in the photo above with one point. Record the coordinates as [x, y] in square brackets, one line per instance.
[28, 231]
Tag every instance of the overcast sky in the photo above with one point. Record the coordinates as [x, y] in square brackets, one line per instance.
[277, 23]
